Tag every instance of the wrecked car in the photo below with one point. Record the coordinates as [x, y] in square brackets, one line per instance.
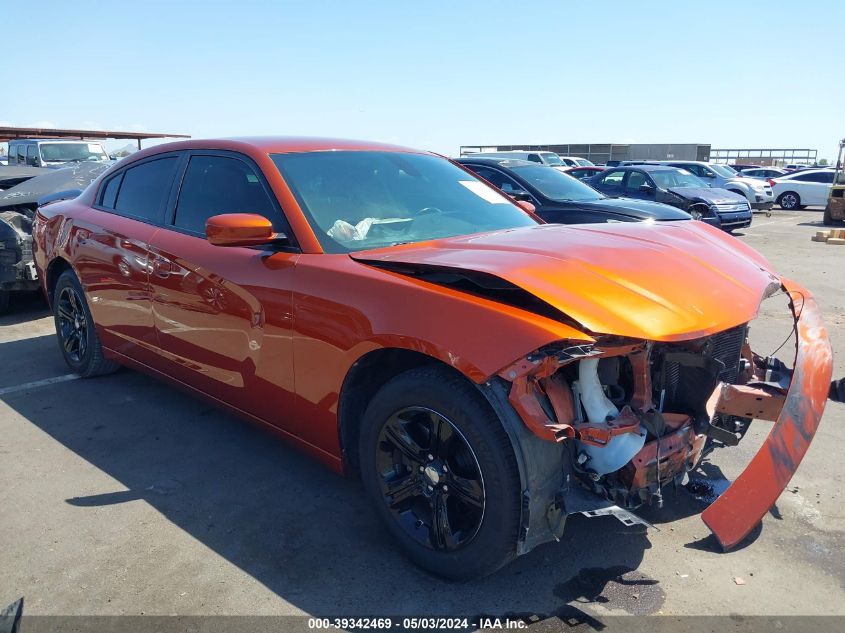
[17, 210]
[486, 375]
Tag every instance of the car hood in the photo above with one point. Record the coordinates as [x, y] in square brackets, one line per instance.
[712, 195]
[640, 209]
[655, 281]
[747, 180]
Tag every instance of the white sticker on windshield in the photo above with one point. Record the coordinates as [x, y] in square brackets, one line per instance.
[484, 192]
[94, 148]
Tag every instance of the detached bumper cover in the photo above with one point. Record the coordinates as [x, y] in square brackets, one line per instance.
[741, 507]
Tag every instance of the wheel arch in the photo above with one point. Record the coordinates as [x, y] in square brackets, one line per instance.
[56, 267]
[363, 380]
[542, 465]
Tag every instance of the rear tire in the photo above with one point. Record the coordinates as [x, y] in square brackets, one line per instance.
[78, 340]
[440, 469]
[790, 201]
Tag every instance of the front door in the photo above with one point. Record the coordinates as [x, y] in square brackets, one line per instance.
[224, 314]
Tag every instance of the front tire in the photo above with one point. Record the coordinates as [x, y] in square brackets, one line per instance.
[790, 201]
[78, 340]
[440, 469]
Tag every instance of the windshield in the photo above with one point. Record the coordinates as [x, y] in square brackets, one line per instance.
[556, 185]
[360, 200]
[551, 158]
[724, 171]
[666, 179]
[67, 152]
[583, 162]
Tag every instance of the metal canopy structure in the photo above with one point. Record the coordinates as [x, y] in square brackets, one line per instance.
[765, 156]
[11, 133]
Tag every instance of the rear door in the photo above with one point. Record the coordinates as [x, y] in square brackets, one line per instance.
[224, 315]
[111, 255]
[610, 182]
[818, 187]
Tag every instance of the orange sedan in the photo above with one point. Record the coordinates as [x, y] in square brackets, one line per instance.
[485, 374]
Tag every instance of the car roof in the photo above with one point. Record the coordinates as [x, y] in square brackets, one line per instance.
[275, 145]
[493, 161]
[646, 167]
[54, 140]
[801, 172]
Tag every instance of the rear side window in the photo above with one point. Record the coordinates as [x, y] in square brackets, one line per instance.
[535, 158]
[145, 188]
[21, 154]
[613, 178]
[214, 185]
[823, 177]
[109, 195]
[30, 156]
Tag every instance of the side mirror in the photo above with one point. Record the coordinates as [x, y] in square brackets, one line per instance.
[526, 206]
[646, 188]
[240, 229]
[520, 194]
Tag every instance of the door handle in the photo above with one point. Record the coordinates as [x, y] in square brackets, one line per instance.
[163, 268]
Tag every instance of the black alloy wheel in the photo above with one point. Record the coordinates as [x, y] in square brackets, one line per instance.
[76, 331]
[430, 479]
[73, 323]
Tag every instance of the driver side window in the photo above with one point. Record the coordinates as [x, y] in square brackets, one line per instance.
[498, 179]
[214, 185]
[636, 179]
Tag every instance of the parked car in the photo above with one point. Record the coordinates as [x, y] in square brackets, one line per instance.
[758, 193]
[545, 158]
[576, 161]
[17, 210]
[54, 152]
[763, 173]
[387, 312]
[583, 173]
[678, 187]
[802, 188]
[738, 167]
[562, 199]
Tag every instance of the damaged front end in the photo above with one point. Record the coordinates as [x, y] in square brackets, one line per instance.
[633, 416]
[17, 268]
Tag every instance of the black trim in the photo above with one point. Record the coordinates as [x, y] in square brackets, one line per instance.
[162, 211]
[289, 245]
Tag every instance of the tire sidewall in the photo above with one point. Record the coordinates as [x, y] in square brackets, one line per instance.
[495, 542]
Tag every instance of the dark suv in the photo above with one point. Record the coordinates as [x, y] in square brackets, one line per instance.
[678, 187]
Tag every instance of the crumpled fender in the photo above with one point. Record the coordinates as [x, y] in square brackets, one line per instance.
[741, 507]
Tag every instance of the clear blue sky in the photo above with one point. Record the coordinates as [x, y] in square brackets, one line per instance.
[434, 74]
